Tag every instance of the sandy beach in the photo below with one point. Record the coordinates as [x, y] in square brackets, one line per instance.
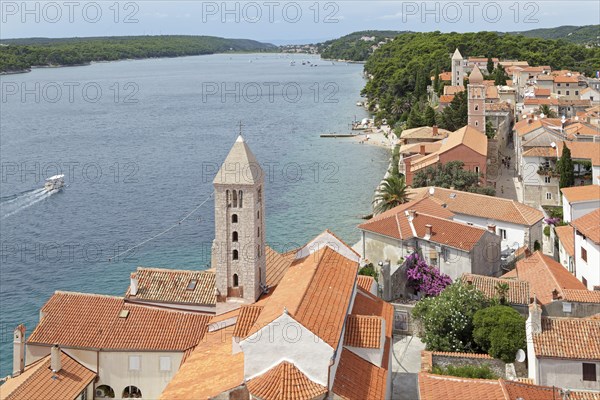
[376, 139]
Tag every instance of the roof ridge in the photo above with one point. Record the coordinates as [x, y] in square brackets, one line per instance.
[160, 269]
[88, 294]
[314, 273]
[452, 221]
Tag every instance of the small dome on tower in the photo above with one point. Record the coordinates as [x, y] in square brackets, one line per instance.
[476, 76]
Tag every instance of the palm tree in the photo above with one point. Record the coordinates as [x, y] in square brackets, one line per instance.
[547, 111]
[502, 289]
[391, 193]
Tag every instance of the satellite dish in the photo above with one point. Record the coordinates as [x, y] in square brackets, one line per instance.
[431, 190]
[520, 355]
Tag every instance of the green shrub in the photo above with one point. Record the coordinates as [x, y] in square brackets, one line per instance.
[466, 371]
[547, 230]
[499, 331]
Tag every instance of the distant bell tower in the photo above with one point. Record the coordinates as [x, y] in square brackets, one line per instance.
[476, 100]
[458, 71]
[239, 245]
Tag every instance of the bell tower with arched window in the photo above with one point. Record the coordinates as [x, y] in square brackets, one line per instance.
[239, 246]
[476, 100]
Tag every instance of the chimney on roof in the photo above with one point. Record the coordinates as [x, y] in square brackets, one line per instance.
[492, 228]
[434, 130]
[55, 364]
[555, 295]
[428, 231]
[411, 214]
[19, 350]
[422, 149]
[596, 288]
[534, 322]
[529, 121]
[133, 284]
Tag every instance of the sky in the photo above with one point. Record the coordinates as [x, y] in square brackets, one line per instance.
[282, 22]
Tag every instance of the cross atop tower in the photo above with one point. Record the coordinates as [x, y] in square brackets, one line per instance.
[240, 125]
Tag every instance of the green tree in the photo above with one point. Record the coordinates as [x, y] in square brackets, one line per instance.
[490, 132]
[415, 118]
[391, 193]
[490, 65]
[547, 111]
[499, 331]
[565, 168]
[447, 320]
[451, 174]
[429, 116]
[455, 115]
[436, 79]
[500, 76]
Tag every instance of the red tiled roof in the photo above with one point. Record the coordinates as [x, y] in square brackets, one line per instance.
[538, 102]
[365, 282]
[284, 382]
[93, 321]
[542, 92]
[480, 205]
[363, 331]
[462, 355]
[518, 290]
[171, 286]
[439, 387]
[367, 304]
[277, 265]
[316, 292]
[582, 296]
[566, 79]
[357, 378]
[573, 338]
[248, 316]
[39, 382]
[466, 136]
[588, 225]
[544, 276]
[566, 236]
[446, 98]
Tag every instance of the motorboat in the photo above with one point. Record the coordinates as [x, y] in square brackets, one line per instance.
[55, 182]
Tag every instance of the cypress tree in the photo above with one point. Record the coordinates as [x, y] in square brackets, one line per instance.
[565, 168]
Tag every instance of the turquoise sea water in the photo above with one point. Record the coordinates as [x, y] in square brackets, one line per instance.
[139, 143]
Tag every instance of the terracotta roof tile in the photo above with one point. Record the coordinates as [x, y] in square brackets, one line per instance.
[423, 132]
[357, 378]
[582, 296]
[566, 235]
[284, 382]
[566, 79]
[467, 136]
[365, 282]
[582, 193]
[210, 370]
[316, 292]
[452, 90]
[518, 292]
[248, 316]
[589, 225]
[367, 304]
[450, 233]
[581, 395]
[39, 382]
[542, 92]
[480, 205]
[363, 331]
[174, 286]
[583, 151]
[93, 321]
[446, 98]
[544, 276]
[515, 390]
[393, 223]
[538, 102]
[573, 338]
[462, 355]
[277, 264]
[436, 387]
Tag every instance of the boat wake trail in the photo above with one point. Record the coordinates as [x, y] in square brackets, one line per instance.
[13, 205]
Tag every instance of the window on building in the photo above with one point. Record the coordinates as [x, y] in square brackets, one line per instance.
[164, 363]
[566, 307]
[258, 215]
[589, 372]
[135, 363]
[558, 84]
[584, 281]
[192, 284]
[476, 123]
[132, 392]
[568, 92]
[476, 107]
[548, 196]
[234, 236]
[577, 93]
[227, 199]
[236, 281]
[259, 195]
[258, 232]
[547, 179]
[241, 198]
[476, 169]
[258, 250]
[234, 219]
[234, 254]
[583, 254]
[559, 92]
[502, 233]
[104, 392]
[234, 199]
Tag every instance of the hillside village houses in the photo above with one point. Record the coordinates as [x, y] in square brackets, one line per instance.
[299, 325]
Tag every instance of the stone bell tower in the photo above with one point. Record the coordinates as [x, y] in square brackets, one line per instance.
[476, 100]
[239, 245]
[458, 71]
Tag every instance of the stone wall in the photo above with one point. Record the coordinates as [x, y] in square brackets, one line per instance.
[431, 359]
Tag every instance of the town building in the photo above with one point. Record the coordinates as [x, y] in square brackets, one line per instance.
[587, 249]
[579, 200]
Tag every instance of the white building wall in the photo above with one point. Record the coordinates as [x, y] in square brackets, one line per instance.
[114, 372]
[379, 248]
[582, 208]
[285, 339]
[589, 270]
[567, 374]
[515, 234]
